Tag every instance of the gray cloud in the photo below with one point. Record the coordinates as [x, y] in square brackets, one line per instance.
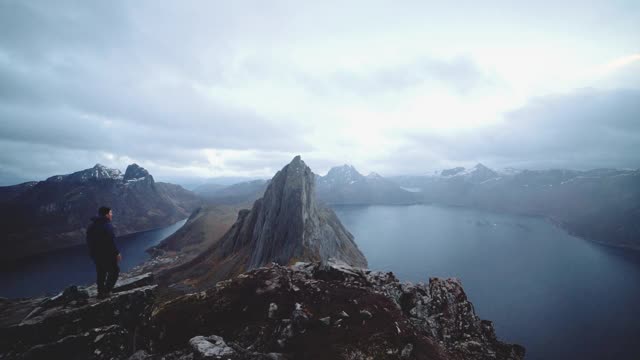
[585, 129]
[94, 78]
[85, 82]
[35, 31]
[460, 74]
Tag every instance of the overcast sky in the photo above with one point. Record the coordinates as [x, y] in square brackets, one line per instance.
[238, 88]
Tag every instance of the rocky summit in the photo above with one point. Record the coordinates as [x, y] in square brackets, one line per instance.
[286, 225]
[324, 310]
[76, 325]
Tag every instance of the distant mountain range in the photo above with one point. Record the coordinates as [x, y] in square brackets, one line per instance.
[37, 217]
[247, 191]
[344, 185]
[601, 205]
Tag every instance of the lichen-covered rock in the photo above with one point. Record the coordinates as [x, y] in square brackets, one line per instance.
[329, 311]
[109, 342]
[211, 347]
[73, 325]
[306, 311]
[126, 282]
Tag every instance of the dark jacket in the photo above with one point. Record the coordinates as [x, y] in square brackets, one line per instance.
[101, 239]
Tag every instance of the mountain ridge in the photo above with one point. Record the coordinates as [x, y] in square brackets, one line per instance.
[344, 185]
[38, 217]
[602, 205]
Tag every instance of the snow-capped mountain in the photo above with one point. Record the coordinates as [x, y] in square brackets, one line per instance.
[97, 172]
[476, 174]
[37, 217]
[345, 185]
[341, 175]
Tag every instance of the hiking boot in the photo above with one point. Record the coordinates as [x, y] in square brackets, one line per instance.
[103, 295]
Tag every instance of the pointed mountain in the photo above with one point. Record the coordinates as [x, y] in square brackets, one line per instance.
[286, 225]
[374, 175]
[135, 172]
[345, 174]
[481, 173]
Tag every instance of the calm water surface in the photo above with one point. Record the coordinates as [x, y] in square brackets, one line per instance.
[52, 272]
[559, 296]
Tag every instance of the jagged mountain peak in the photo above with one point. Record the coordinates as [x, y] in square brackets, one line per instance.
[452, 172]
[481, 173]
[135, 172]
[478, 173]
[286, 225]
[345, 168]
[343, 174]
[98, 171]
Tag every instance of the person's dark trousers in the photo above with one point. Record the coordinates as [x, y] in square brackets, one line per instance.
[107, 271]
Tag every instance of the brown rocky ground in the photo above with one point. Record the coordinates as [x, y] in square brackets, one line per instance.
[307, 311]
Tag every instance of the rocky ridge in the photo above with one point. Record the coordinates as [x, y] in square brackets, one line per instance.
[76, 325]
[327, 311]
[304, 311]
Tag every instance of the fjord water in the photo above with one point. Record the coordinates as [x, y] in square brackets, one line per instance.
[560, 296]
[52, 272]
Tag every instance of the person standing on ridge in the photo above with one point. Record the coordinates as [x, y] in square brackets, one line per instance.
[103, 251]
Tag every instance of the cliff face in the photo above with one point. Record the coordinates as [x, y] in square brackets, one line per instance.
[284, 226]
[306, 311]
[42, 216]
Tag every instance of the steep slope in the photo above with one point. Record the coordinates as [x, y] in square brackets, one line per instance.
[306, 311]
[344, 185]
[205, 226]
[284, 226]
[52, 214]
[328, 311]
